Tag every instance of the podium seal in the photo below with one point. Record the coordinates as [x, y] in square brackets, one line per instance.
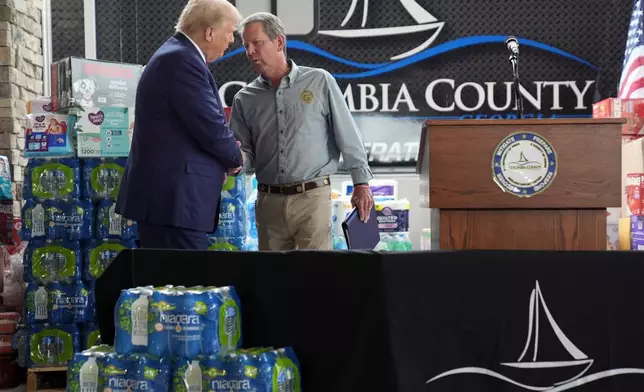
[524, 164]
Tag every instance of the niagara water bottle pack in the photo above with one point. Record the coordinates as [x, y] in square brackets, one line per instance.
[101, 369]
[177, 321]
[232, 230]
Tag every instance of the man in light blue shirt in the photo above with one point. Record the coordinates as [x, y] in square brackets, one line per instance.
[293, 124]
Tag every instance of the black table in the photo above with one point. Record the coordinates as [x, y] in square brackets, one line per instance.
[363, 321]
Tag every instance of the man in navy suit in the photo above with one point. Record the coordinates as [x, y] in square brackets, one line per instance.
[182, 148]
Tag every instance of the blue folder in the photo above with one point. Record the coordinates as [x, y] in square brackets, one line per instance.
[359, 235]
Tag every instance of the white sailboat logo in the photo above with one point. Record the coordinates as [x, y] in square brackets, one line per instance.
[425, 22]
[579, 358]
[561, 375]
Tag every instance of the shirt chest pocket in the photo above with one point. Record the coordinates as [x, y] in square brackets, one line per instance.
[308, 117]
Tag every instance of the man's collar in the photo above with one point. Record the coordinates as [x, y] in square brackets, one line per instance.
[203, 56]
[290, 78]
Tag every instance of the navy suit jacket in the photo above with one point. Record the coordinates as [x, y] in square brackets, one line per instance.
[181, 147]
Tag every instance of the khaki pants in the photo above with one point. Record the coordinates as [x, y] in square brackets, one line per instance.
[301, 221]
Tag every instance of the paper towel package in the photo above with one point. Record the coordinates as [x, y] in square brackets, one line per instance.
[634, 185]
[380, 188]
[632, 162]
[340, 209]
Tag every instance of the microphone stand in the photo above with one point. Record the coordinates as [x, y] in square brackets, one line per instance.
[514, 59]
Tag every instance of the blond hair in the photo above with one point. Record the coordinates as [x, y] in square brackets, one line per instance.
[201, 14]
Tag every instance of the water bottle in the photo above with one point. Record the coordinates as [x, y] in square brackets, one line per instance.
[193, 377]
[89, 376]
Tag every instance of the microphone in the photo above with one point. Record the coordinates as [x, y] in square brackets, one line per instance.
[512, 44]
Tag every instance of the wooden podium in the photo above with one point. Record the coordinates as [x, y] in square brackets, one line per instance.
[560, 205]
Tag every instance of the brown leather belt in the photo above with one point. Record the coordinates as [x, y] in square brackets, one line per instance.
[288, 190]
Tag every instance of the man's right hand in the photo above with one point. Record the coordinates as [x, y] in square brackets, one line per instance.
[232, 172]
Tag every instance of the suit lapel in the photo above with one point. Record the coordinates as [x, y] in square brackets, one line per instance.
[215, 89]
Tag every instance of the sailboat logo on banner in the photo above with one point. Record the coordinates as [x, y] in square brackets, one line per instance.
[561, 375]
[424, 22]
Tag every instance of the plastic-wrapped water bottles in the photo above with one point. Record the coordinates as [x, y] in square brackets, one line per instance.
[395, 242]
[252, 242]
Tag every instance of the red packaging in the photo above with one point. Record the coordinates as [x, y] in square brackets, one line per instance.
[630, 109]
[5, 344]
[6, 221]
[9, 322]
[634, 193]
[9, 372]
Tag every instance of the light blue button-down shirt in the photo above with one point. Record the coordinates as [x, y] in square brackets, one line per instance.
[296, 132]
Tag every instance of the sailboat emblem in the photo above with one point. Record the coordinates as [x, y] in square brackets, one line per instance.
[579, 359]
[424, 22]
[554, 376]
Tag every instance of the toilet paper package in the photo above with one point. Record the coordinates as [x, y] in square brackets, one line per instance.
[381, 189]
[393, 215]
[340, 209]
[104, 131]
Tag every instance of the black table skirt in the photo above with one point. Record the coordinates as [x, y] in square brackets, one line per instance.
[363, 321]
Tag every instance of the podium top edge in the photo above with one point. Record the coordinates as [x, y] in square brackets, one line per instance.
[545, 121]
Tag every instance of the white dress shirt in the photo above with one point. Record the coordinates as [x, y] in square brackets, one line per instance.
[196, 46]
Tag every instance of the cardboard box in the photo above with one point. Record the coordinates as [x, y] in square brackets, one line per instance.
[632, 162]
[78, 82]
[630, 109]
[624, 234]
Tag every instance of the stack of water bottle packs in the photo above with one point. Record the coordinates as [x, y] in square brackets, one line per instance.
[184, 340]
[73, 234]
[236, 230]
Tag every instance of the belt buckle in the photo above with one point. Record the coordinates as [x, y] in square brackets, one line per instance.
[281, 188]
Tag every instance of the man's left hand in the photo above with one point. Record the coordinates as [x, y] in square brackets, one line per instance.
[362, 199]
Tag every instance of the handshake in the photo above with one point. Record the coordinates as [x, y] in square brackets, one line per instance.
[235, 171]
